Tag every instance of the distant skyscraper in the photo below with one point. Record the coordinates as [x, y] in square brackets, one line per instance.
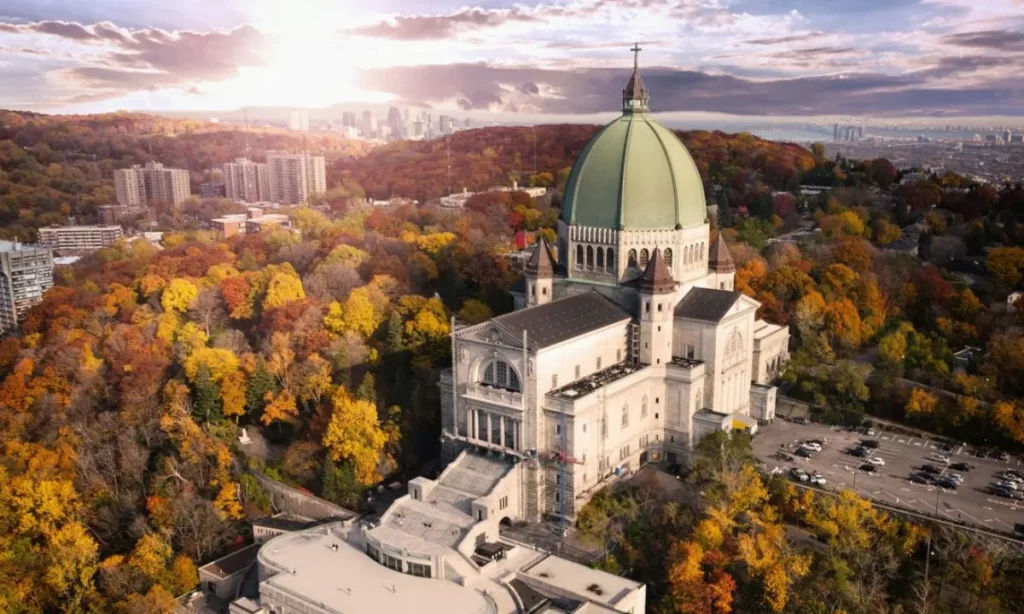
[299, 120]
[835, 133]
[247, 181]
[293, 177]
[396, 123]
[348, 118]
[368, 124]
[140, 185]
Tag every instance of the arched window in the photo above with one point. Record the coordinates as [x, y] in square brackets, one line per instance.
[734, 348]
[625, 416]
[668, 256]
[501, 374]
[600, 258]
[686, 255]
[644, 257]
[590, 257]
[631, 258]
[609, 260]
[579, 256]
[643, 408]
[703, 252]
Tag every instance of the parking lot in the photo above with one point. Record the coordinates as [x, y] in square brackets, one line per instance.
[903, 455]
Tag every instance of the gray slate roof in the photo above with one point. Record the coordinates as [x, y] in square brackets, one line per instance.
[706, 304]
[561, 320]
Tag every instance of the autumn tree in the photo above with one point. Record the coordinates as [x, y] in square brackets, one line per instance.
[355, 434]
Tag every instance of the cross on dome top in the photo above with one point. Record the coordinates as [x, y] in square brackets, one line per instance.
[634, 96]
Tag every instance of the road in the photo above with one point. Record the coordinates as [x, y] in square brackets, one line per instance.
[970, 504]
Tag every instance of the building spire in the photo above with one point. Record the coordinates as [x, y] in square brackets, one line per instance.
[634, 96]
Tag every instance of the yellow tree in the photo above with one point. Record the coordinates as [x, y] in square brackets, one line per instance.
[1007, 264]
[219, 361]
[921, 402]
[232, 394]
[283, 286]
[150, 555]
[280, 407]
[179, 295]
[191, 337]
[355, 434]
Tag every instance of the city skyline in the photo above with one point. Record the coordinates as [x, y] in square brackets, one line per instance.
[905, 58]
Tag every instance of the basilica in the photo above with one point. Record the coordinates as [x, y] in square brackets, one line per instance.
[628, 342]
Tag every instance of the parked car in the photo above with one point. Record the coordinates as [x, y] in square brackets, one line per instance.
[939, 458]
[1006, 493]
[868, 468]
[921, 478]
[1003, 456]
[859, 452]
[945, 482]
[817, 479]
[961, 466]
[931, 469]
[956, 477]
[946, 447]
[877, 461]
[1007, 484]
[813, 446]
[804, 452]
[801, 421]
[870, 443]
[799, 475]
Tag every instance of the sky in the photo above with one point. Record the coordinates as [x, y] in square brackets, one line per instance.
[866, 58]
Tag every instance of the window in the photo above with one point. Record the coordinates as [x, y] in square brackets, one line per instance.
[590, 257]
[721, 285]
[625, 416]
[372, 552]
[579, 256]
[502, 375]
[600, 258]
[668, 256]
[558, 479]
[643, 408]
[647, 306]
[598, 363]
[577, 371]
[698, 402]
[419, 570]
[645, 256]
[558, 429]
[631, 258]
[554, 381]
[558, 497]
[604, 426]
[392, 563]
[691, 352]
[609, 260]
[702, 252]
[659, 310]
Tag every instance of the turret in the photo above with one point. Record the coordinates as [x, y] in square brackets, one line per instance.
[656, 288]
[540, 273]
[720, 263]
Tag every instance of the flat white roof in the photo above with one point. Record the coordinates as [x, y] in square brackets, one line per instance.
[598, 586]
[349, 581]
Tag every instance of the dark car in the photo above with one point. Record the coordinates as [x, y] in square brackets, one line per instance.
[1002, 491]
[804, 452]
[961, 466]
[1003, 456]
[868, 468]
[946, 447]
[931, 469]
[800, 421]
[859, 452]
[870, 443]
[948, 483]
[921, 478]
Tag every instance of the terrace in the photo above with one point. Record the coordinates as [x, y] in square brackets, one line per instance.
[586, 385]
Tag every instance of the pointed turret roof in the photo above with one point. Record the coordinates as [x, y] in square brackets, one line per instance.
[719, 258]
[541, 263]
[656, 278]
[634, 95]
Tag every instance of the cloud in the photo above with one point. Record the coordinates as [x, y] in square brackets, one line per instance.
[1002, 40]
[786, 39]
[529, 88]
[596, 90]
[427, 27]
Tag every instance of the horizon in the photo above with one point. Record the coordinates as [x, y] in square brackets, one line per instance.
[757, 60]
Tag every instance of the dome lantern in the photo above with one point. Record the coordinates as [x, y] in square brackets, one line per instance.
[634, 95]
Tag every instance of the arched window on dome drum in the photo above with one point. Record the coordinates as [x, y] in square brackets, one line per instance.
[579, 256]
[600, 258]
[644, 257]
[625, 417]
[609, 260]
[703, 252]
[590, 257]
[668, 256]
[631, 259]
[501, 374]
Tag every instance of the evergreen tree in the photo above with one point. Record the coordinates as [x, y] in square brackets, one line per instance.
[338, 484]
[725, 219]
[261, 382]
[206, 405]
[367, 390]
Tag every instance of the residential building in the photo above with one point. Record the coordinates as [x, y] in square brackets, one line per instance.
[254, 220]
[143, 185]
[246, 181]
[79, 238]
[628, 345]
[211, 190]
[299, 120]
[293, 177]
[26, 272]
[113, 214]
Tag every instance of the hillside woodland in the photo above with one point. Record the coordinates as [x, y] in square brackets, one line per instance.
[122, 398]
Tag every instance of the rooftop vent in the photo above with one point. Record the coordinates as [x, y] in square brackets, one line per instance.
[596, 589]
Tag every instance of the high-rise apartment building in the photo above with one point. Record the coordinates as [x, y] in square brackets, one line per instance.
[138, 185]
[293, 177]
[247, 181]
[299, 120]
[348, 118]
[79, 238]
[26, 272]
[369, 125]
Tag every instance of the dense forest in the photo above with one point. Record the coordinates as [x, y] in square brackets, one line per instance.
[122, 398]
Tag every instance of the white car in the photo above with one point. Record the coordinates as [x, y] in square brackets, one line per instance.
[812, 446]
[1005, 484]
[938, 458]
[877, 461]
[959, 479]
[799, 475]
[817, 479]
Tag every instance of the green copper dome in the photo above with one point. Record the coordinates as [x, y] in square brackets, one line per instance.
[634, 174]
